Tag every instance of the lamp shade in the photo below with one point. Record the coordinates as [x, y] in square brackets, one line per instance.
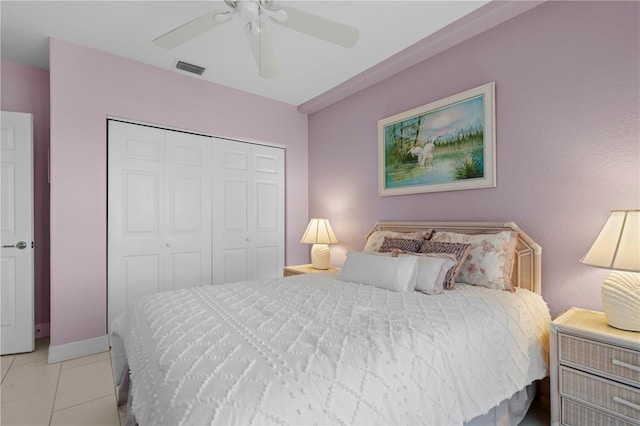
[319, 232]
[618, 248]
[618, 245]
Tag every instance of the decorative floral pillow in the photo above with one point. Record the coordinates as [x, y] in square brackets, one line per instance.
[375, 240]
[459, 250]
[490, 259]
[403, 244]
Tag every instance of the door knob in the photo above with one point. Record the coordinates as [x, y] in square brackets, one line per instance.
[19, 245]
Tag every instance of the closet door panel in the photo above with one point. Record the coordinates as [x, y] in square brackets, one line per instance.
[188, 207]
[231, 207]
[159, 212]
[248, 212]
[140, 204]
[267, 206]
[268, 261]
[135, 215]
[233, 235]
[185, 201]
[142, 277]
[267, 214]
[186, 269]
[267, 161]
[236, 265]
[232, 155]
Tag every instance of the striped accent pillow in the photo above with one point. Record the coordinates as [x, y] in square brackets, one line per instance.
[375, 240]
[403, 244]
[459, 250]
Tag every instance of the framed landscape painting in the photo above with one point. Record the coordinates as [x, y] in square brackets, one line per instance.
[446, 145]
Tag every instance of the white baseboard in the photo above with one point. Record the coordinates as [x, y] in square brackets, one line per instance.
[78, 349]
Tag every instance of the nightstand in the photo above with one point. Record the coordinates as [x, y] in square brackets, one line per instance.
[595, 371]
[308, 269]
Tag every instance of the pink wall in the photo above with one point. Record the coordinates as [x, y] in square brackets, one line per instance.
[86, 87]
[26, 89]
[568, 114]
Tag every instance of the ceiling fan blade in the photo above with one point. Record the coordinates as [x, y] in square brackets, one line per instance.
[262, 51]
[190, 30]
[317, 26]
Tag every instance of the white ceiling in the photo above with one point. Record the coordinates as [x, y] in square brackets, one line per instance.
[308, 67]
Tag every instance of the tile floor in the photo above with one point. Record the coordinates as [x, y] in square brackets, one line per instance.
[74, 392]
[81, 392]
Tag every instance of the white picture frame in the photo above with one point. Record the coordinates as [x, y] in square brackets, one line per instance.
[445, 145]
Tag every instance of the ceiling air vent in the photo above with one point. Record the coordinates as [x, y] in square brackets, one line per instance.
[185, 66]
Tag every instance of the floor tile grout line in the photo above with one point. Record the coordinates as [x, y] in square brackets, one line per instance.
[9, 368]
[84, 365]
[28, 396]
[55, 395]
[80, 403]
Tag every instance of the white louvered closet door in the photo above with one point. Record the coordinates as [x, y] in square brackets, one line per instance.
[248, 211]
[159, 212]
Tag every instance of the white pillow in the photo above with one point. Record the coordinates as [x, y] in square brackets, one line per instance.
[432, 269]
[392, 273]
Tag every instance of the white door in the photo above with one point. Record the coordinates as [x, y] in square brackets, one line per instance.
[16, 182]
[159, 213]
[248, 211]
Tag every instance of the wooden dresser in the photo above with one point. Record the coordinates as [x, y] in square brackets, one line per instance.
[595, 371]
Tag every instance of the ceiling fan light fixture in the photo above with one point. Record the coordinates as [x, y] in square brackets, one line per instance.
[254, 28]
[248, 9]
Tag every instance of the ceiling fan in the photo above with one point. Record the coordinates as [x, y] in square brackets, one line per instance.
[255, 14]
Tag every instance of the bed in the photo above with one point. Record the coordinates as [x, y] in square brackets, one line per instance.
[313, 349]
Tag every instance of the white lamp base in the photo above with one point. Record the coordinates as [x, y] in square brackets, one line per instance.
[320, 254]
[621, 300]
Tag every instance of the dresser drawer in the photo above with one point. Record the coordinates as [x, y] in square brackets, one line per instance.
[575, 414]
[600, 392]
[614, 362]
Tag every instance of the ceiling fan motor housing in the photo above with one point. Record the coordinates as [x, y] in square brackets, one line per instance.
[248, 10]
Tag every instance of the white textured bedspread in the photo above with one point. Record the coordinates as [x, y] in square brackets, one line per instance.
[314, 350]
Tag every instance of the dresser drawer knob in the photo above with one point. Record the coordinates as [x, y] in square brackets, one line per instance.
[625, 365]
[625, 402]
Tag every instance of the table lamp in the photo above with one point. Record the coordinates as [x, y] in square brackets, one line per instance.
[618, 248]
[319, 233]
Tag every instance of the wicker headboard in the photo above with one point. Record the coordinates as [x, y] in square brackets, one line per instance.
[527, 267]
